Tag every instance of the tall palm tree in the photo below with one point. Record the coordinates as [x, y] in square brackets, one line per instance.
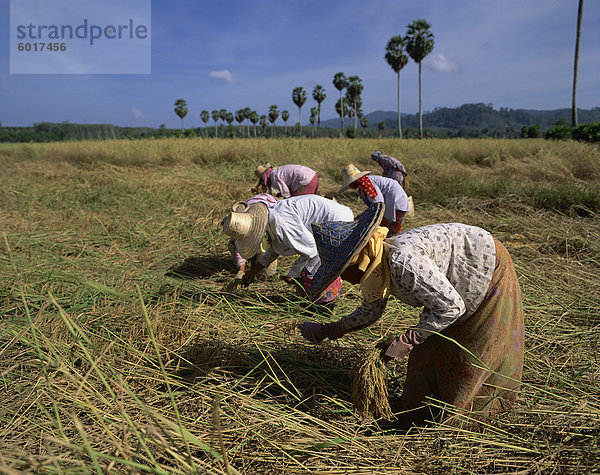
[240, 116]
[262, 121]
[253, 117]
[223, 117]
[340, 108]
[419, 43]
[319, 95]
[229, 118]
[395, 57]
[215, 116]
[364, 123]
[285, 115]
[353, 92]
[340, 82]
[299, 98]
[314, 112]
[273, 116]
[247, 112]
[574, 121]
[205, 116]
[181, 110]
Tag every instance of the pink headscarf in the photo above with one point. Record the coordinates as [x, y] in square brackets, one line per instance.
[267, 176]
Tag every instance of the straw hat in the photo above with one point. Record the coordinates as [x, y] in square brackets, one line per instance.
[239, 207]
[261, 169]
[247, 226]
[338, 242]
[351, 174]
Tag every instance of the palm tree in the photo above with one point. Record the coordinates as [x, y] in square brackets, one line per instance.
[353, 92]
[205, 116]
[181, 110]
[574, 121]
[419, 43]
[223, 117]
[319, 96]
[253, 117]
[262, 121]
[285, 115]
[340, 82]
[299, 98]
[313, 118]
[395, 57]
[229, 118]
[215, 116]
[247, 112]
[273, 116]
[364, 123]
[340, 108]
[240, 116]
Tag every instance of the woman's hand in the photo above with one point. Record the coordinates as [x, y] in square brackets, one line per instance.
[394, 348]
[250, 274]
[317, 332]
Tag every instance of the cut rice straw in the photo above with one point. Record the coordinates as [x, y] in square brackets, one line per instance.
[369, 386]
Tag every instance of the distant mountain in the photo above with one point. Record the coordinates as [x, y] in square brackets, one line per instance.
[474, 116]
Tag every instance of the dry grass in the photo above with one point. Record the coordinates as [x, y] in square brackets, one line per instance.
[120, 352]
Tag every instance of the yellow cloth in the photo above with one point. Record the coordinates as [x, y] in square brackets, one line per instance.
[375, 281]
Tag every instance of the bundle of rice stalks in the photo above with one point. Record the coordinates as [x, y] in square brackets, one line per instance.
[369, 386]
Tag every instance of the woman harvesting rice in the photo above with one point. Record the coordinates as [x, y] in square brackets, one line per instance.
[239, 261]
[465, 281]
[287, 225]
[287, 180]
[378, 189]
[392, 168]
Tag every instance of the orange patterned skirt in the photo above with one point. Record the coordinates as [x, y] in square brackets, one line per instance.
[441, 370]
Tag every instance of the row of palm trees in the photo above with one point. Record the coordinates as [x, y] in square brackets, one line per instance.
[418, 42]
[299, 97]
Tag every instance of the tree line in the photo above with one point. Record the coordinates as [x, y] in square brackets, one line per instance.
[486, 124]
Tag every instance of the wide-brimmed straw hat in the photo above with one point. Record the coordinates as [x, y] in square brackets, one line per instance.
[239, 206]
[247, 226]
[338, 242]
[350, 175]
[261, 169]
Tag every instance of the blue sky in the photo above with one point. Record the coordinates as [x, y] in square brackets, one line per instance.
[252, 53]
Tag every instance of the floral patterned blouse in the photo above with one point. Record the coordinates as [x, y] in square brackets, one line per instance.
[444, 268]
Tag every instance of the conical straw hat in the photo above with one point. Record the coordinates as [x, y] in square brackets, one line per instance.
[351, 174]
[247, 227]
[338, 242]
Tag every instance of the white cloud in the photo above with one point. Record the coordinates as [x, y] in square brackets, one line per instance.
[223, 75]
[137, 114]
[438, 62]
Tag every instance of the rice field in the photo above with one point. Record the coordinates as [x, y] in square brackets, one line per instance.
[121, 352]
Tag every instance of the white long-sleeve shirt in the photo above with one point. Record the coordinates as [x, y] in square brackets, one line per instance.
[390, 193]
[290, 230]
[444, 268]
